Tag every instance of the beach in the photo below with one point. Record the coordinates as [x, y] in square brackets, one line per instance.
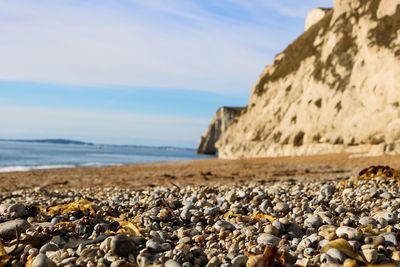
[196, 172]
[292, 211]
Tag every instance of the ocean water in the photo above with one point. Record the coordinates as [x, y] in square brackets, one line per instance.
[25, 156]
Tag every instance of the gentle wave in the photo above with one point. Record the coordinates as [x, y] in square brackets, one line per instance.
[46, 167]
[31, 168]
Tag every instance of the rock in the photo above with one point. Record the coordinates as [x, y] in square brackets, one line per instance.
[7, 229]
[336, 255]
[224, 225]
[281, 207]
[122, 245]
[348, 233]
[327, 191]
[48, 247]
[41, 260]
[294, 230]
[370, 255]
[67, 262]
[239, 261]
[390, 239]
[121, 263]
[313, 221]
[386, 215]
[16, 210]
[328, 232]
[214, 211]
[172, 263]
[367, 220]
[270, 229]
[154, 245]
[213, 262]
[268, 239]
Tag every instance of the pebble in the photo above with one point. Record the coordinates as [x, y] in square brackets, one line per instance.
[122, 245]
[370, 255]
[16, 210]
[172, 263]
[268, 239]
[239, 261]
[348, 233]
[7, 229]
[42, 260]
[281, 207]
[48, 247]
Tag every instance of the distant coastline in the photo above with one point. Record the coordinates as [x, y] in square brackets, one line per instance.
[61, 141]
[49, 141]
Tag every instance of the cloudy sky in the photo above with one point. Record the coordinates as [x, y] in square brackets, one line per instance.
[146, 72]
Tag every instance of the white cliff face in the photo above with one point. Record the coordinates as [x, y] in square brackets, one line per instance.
[223, 118]
[314, 16]
[335, 89]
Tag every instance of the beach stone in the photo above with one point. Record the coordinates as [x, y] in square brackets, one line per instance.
[41, 260]
[294, 230]
[386, 215]
[328, 232]
[7, 229]
[367, 220]
[214, 262]
[268, 239]
[270, 229]
[3, 208]
[154, 245]
[67, 262]
[224, 225]
[48, 247]
[16, 210]
[281, 207]
[348, 233]
[172, 263]
[213, 211]
[120, 263]
[395, 257]
[327, 191]
[336, 255]
[122, 245]
[313, 221]
[231, 196]
[370, 255]
[390, 239]
[239, 261]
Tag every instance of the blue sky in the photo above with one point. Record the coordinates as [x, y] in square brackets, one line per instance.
[149, 72]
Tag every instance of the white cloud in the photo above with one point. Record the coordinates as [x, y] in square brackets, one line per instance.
[101, 127]
[155, 43]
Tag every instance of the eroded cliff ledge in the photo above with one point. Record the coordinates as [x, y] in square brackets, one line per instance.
[334, 89]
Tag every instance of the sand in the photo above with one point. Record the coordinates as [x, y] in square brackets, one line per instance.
[196, 172]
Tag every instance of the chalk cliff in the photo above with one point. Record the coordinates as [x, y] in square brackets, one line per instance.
[223, 118]
[334, 89]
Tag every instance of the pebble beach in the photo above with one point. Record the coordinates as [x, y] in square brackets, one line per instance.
[352, 221]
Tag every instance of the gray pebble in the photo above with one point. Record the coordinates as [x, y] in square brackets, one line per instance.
[41, 260]
[122, 245]
[7, 229]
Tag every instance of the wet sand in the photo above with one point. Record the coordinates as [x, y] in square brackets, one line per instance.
[197, 172]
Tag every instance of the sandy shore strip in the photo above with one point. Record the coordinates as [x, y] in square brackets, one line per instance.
[197, 172]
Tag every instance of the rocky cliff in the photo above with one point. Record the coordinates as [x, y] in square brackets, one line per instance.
[223, 118]
[334, 89]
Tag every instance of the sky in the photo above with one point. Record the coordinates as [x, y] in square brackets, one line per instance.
[145, 72]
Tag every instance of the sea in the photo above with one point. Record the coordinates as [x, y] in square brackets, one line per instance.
[26, 156]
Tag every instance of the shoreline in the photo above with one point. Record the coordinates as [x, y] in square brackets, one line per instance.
[195, 172]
